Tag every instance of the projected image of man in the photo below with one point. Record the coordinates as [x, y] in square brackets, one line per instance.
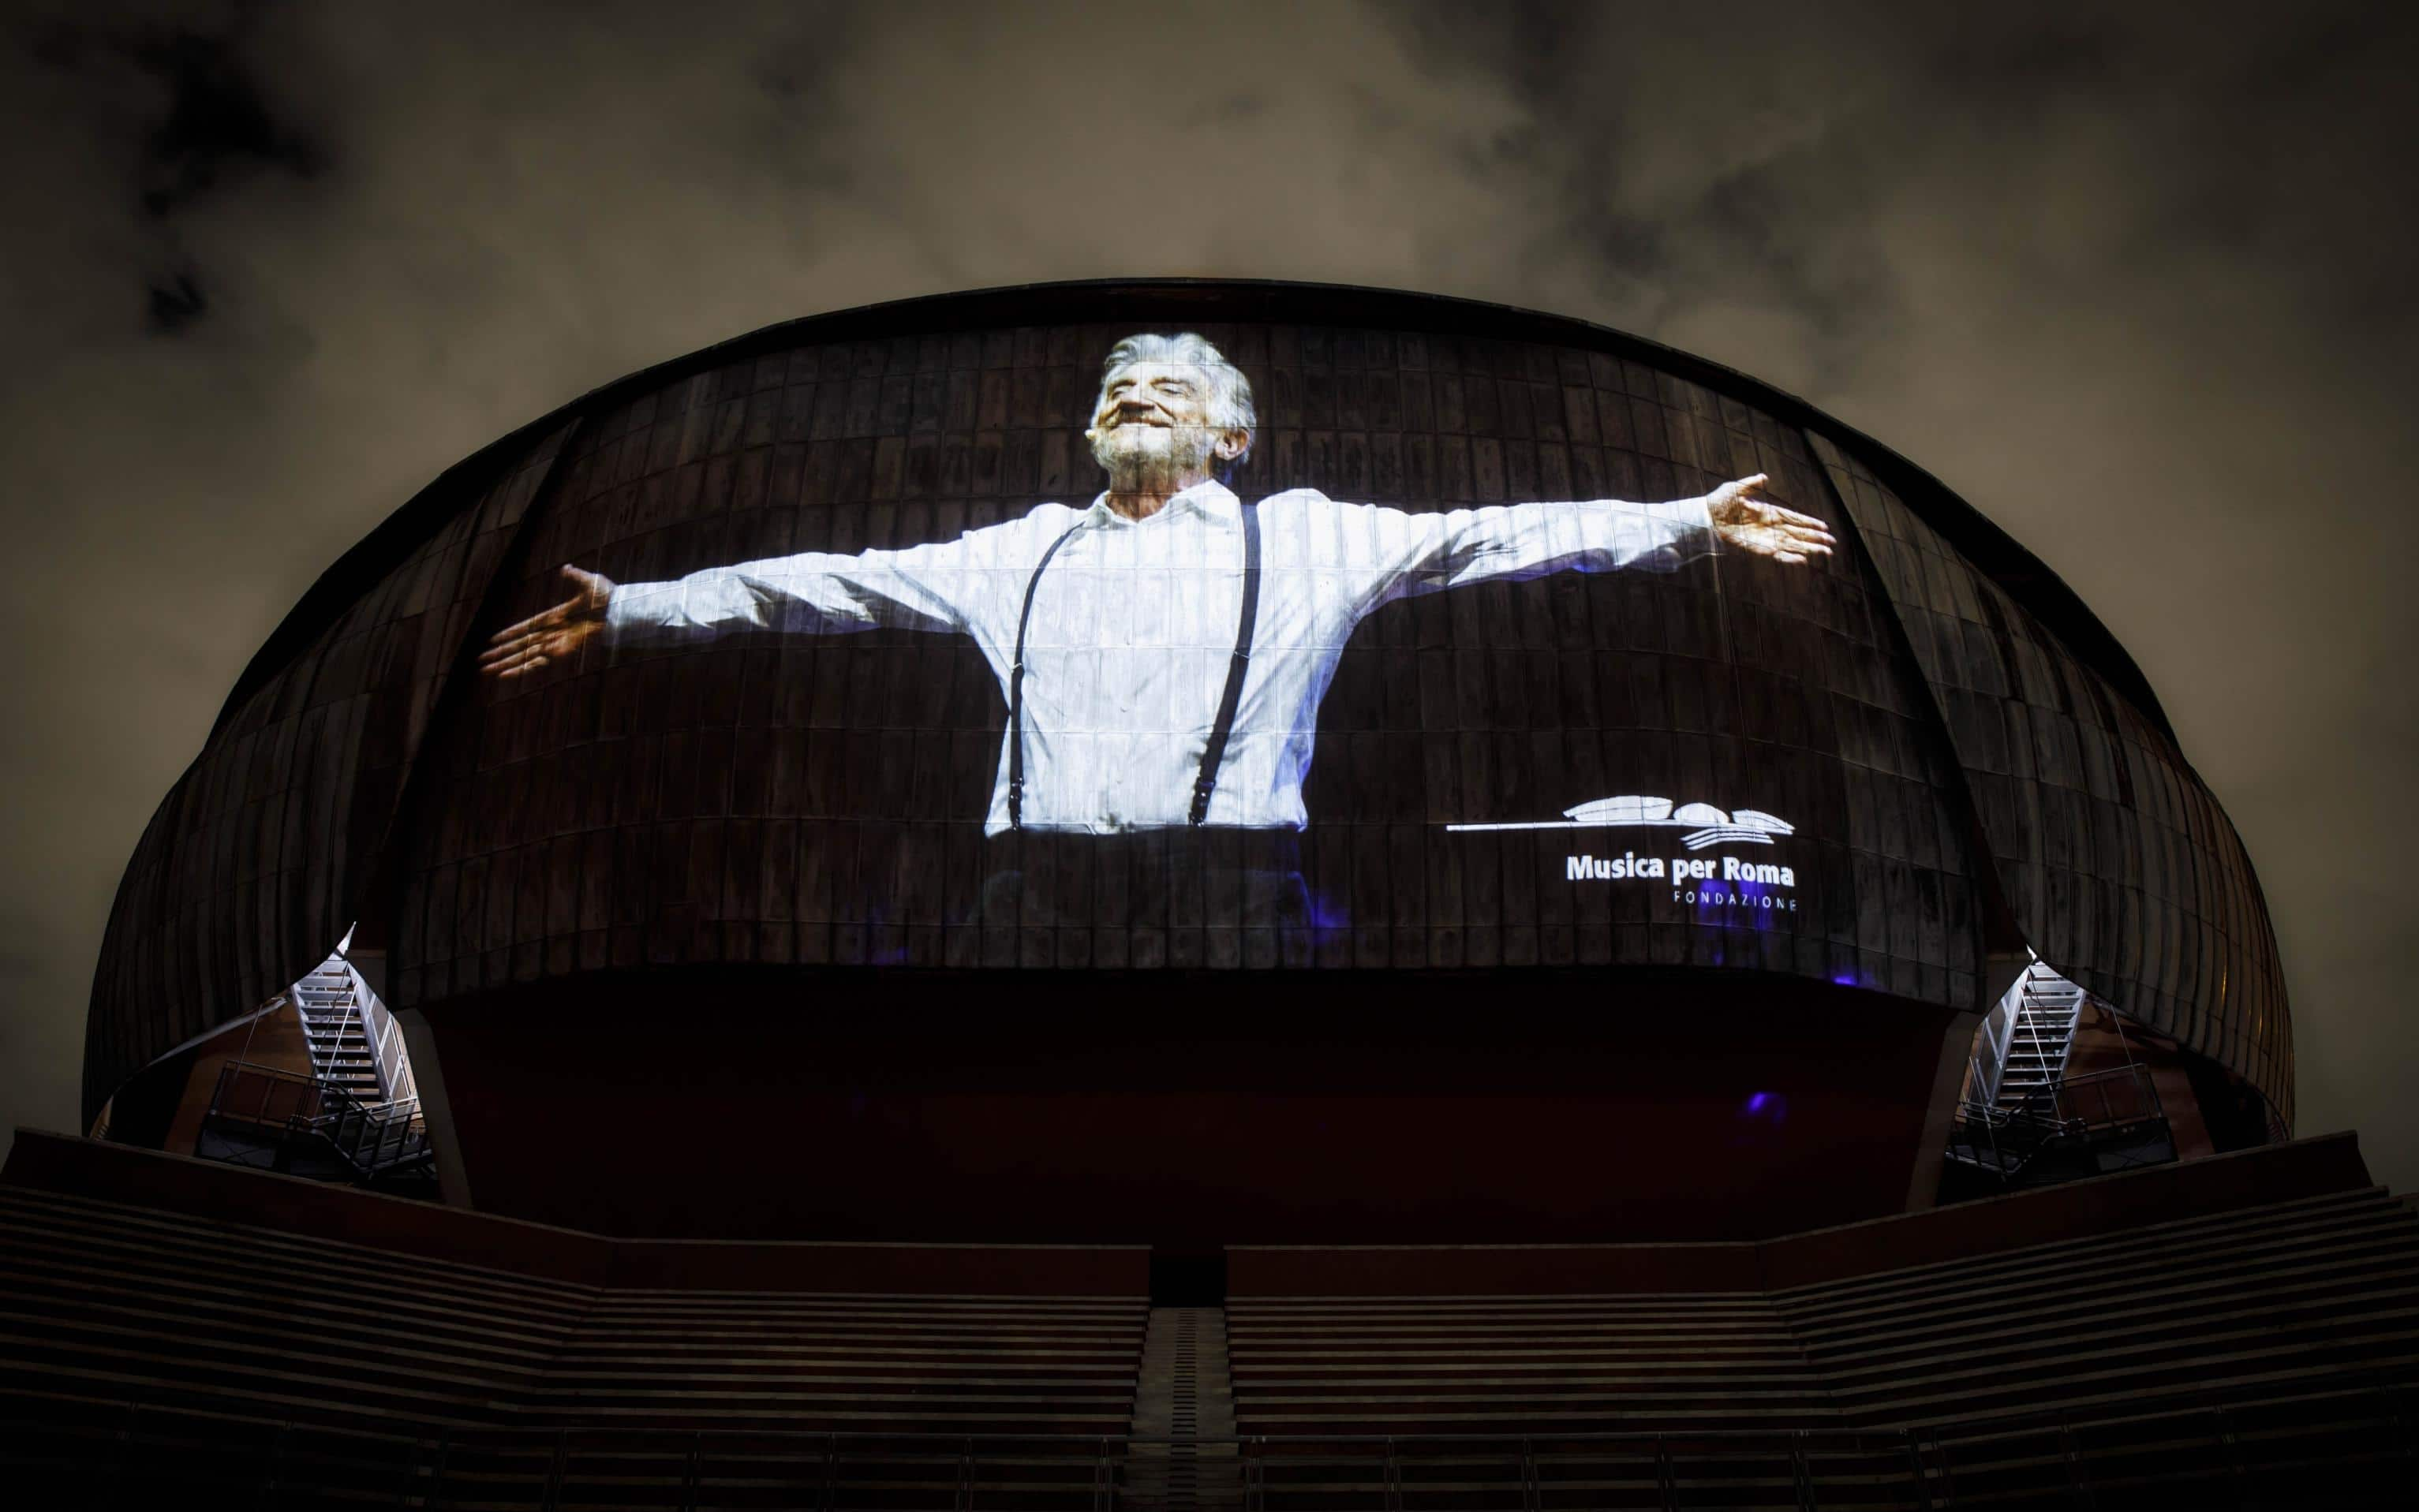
[1142, 695]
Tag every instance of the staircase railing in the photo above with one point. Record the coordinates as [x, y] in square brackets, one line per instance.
[2117, 1098]
[1988, 1062]
[383, 1035]
[2006, 1137]
[373, 1138]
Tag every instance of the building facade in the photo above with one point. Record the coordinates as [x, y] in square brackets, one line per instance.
[1529, 849]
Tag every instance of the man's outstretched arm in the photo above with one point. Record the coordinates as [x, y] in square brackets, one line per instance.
[1416, 554]
[814, 594]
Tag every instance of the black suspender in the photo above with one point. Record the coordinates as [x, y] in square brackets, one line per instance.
[1215, 753]
[1016, 687]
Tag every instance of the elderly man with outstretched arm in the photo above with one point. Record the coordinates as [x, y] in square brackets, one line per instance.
[1163, 651]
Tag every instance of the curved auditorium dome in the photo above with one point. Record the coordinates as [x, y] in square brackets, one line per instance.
[866, 681]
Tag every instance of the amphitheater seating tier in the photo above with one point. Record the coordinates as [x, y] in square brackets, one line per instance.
[155, 1349]
[2283, 1292]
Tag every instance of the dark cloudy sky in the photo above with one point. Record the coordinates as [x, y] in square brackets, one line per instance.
[2137, 280]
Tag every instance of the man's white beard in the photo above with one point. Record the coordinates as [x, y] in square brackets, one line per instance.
[1154, 458]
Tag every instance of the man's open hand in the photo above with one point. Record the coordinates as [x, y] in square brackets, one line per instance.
[1743, 518]
[552, 635]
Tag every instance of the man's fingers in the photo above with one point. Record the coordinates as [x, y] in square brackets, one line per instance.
[500, 647]
[517, 659]
[1799, 525]
[1783, 514]
[501, 650]
[1780, 541]
[521, 661]
[545, 619]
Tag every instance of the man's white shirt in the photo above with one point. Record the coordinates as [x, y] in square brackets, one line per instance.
[1134, 626]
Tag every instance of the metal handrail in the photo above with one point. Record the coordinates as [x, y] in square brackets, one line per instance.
[1988, 1062]
[2074, 1109]
[2053, 1104]
[387, 1051]
[372, 1137]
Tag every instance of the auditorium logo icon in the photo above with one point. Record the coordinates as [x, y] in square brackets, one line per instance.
[1747, 884]
[1706, 825]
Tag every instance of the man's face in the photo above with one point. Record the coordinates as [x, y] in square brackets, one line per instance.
[1153, 424]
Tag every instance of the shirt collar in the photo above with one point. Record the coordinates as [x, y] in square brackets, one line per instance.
[1211, 498]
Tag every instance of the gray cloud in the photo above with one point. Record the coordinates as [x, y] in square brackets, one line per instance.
[2133, 283]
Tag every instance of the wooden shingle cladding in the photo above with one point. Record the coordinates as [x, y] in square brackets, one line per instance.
[2120, 867]
[255, 865]
[818, 801]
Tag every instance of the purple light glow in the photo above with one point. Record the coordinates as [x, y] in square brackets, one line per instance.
[1327, 913]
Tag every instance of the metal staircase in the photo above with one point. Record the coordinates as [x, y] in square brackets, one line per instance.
[354, 1117]
[336, 1026]
[2041, 1035]
[2024, 1119]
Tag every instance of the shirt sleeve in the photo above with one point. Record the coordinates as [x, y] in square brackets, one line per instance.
[1404, 555]
[932, 587]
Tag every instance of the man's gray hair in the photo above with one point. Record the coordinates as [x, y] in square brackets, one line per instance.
[1230, 392]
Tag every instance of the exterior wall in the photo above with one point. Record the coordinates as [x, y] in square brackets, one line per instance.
[2122, 870]
[817, 802]
[1188, 1110]
[257, 862]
